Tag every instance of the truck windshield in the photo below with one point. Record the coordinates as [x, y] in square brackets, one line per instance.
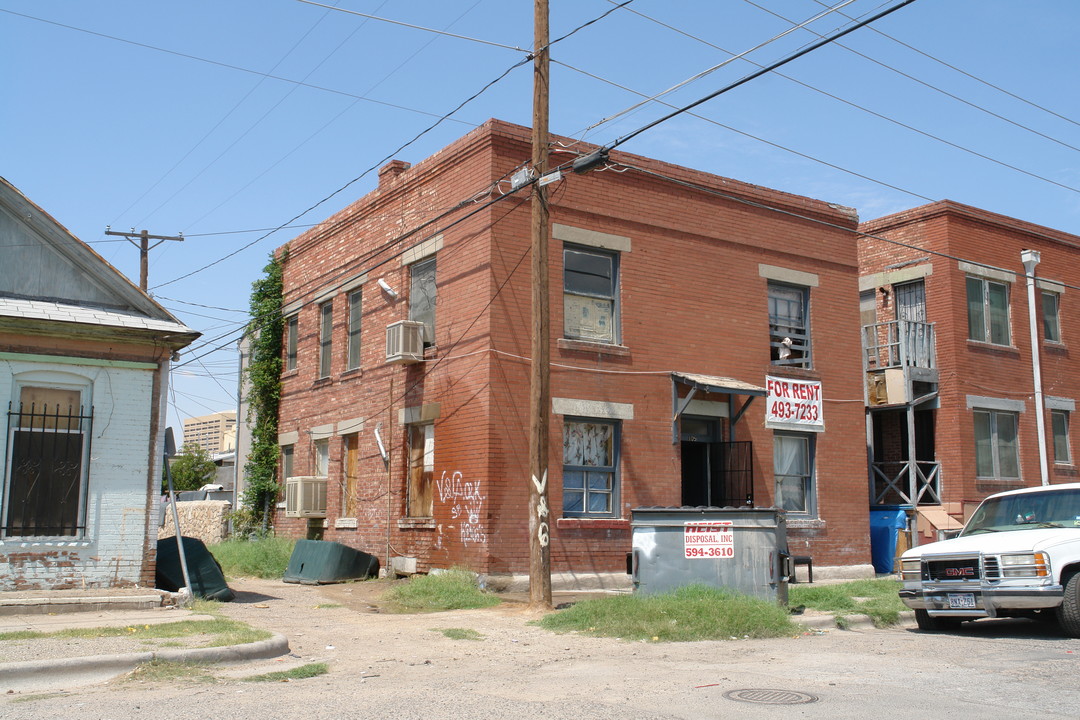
[1026, 511]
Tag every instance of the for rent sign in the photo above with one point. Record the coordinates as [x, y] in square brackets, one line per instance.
[709, 539]
[793, 403]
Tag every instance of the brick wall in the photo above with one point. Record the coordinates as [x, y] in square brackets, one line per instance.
[971, 368]
[691, 300]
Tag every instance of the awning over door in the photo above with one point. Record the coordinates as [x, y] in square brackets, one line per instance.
[709, 384]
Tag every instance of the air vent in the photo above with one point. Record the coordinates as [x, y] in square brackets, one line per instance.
[405, 342]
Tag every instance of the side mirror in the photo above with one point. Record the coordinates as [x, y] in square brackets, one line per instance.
[170, 443]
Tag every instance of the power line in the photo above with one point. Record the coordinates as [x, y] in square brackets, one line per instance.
[754, 75]
[924, 84]
[415, 27]
[232, 67]
[754, 137]
[969, 75]
[359, 177]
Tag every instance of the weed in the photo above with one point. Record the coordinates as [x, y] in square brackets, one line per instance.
[459, 633]
[327, 606]
[298, 673]
[451, 590]
[165, 671]
[877, 598]
[219, 632]
[262, 557]
[37, 696]
[690, 613]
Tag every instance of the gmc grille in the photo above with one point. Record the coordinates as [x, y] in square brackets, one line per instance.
[956, 569]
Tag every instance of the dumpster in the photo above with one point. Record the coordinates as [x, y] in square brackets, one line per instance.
[317, 562]
[886, 522]
[742, 549]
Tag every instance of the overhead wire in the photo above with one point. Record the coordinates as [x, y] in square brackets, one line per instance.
[925, 84]
[355, 179]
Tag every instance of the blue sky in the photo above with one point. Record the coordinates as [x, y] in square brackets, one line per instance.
[191, 117]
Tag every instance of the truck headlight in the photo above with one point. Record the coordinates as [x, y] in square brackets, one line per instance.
[1023, 565]
[911, 570]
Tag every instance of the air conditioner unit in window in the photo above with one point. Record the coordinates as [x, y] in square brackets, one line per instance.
[405, 342]
[305, 497]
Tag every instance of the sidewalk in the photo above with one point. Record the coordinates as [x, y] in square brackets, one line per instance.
[42, 665]
[45, 664]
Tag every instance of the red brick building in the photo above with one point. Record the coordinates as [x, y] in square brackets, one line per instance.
[954, 401]
[675, 295]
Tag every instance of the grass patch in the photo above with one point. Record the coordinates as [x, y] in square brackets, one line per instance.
[298, 673]
[877, 598]
[451, 590]
[690, 613]
[221, 632]
[459, 633]
[36, 696]
[266, 557]
[328, 606]
[163, 671]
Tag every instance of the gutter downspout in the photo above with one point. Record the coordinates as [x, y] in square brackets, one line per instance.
[1031, 258]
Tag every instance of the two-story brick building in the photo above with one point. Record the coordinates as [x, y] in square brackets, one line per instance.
[683, 306]
[954, 393]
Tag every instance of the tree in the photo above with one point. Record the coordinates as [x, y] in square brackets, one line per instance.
[191, 469]
[266, 330]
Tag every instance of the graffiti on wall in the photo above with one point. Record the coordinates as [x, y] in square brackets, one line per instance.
[466, 505]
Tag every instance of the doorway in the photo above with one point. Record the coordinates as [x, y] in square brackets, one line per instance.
[714, 472]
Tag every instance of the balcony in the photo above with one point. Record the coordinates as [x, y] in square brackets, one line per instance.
[905, 483]
[899, 344]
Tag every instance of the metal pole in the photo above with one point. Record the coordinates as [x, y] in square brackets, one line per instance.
[179, 539]
[1031, 258]
[539, 381]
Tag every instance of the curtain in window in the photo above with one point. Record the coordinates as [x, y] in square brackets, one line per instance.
[791, 464]
[587, 444]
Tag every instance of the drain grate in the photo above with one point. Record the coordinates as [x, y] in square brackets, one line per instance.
[771, 697]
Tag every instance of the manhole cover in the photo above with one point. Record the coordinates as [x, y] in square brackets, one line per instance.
[771, 697]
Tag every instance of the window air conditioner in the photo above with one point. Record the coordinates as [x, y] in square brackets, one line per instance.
[405, 342]
[305, 497]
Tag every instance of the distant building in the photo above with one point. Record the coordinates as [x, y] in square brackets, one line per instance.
[214, 433]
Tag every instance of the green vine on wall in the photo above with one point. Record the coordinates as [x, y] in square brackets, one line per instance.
[265, 331]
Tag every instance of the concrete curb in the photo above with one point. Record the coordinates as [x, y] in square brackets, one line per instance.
[850, 622]
[63, 672]
[47, 606]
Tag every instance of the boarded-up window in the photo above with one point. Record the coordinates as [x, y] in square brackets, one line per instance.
[351, 480]
[46, 485]
[590, 299]
[421, 469]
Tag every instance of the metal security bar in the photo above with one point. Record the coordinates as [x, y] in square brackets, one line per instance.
[735, 462]
[48, 451]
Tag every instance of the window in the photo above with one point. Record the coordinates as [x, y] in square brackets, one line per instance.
[789, 326]
[793, 468]
[988, 311]
[421, 469]
[1059, 424]
[422, 297]
[352, 475]
[322, 458]
[996, 449]
[355, 307]
[590, 468]
[292, 325]
[286, 461]
[590, 295]
[49, 449]
[326, 329]
[1051, 308]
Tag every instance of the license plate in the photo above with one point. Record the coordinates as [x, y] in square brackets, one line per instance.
[961, 601]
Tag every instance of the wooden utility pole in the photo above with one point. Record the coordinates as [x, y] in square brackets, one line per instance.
[144, 248]
[539, 380]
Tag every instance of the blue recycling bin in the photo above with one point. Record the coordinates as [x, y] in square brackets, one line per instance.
[886, 521]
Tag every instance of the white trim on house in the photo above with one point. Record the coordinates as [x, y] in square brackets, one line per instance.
[787, 275]
[984, 272]
[592, 409]
[980, 402]
[590, 238]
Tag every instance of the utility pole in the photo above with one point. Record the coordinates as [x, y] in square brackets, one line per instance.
[539, 380]
[144, 248]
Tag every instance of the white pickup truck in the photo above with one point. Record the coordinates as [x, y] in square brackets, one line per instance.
[1018, 556]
